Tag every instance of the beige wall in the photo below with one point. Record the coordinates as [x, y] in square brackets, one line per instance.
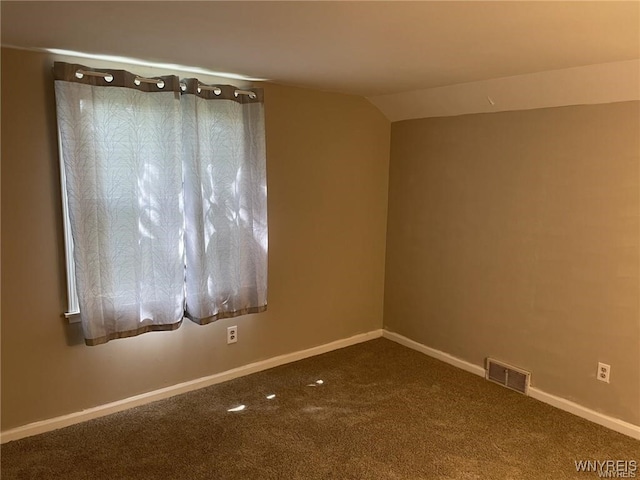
[516, 235]
[327, 178]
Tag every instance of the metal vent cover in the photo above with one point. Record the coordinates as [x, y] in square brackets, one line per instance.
[508, 376]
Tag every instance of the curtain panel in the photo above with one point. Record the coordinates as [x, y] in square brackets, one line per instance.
[225, 203]
[166, 192]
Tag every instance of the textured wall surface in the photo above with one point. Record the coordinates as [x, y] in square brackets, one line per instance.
[516, 235]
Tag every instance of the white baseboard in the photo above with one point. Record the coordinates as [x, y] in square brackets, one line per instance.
[142, 399]
[432, 352]
[614, 424]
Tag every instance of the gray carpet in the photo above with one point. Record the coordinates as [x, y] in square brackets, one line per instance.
[382, 411]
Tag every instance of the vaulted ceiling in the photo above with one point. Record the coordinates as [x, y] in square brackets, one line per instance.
[365, 48]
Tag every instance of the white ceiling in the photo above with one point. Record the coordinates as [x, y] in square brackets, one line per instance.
[365, 48]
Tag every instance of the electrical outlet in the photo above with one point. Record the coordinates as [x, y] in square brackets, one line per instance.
[604, 371]
[232, 334]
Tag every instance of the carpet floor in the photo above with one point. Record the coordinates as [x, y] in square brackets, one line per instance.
[374, 411]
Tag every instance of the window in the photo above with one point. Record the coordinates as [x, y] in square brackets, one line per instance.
[165, 188]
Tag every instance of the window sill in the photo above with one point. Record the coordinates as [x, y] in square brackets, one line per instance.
[72, 317]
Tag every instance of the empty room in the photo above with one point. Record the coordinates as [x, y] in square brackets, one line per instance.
[320, 240]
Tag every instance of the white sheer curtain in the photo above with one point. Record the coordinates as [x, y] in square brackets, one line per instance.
[225, 202]
[135, 150]
[122, 149]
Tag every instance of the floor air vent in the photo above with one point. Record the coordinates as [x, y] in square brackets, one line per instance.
[508, 376]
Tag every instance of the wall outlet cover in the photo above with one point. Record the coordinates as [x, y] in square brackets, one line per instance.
[232, 334]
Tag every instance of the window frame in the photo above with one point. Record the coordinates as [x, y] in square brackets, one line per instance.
[73, 307]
